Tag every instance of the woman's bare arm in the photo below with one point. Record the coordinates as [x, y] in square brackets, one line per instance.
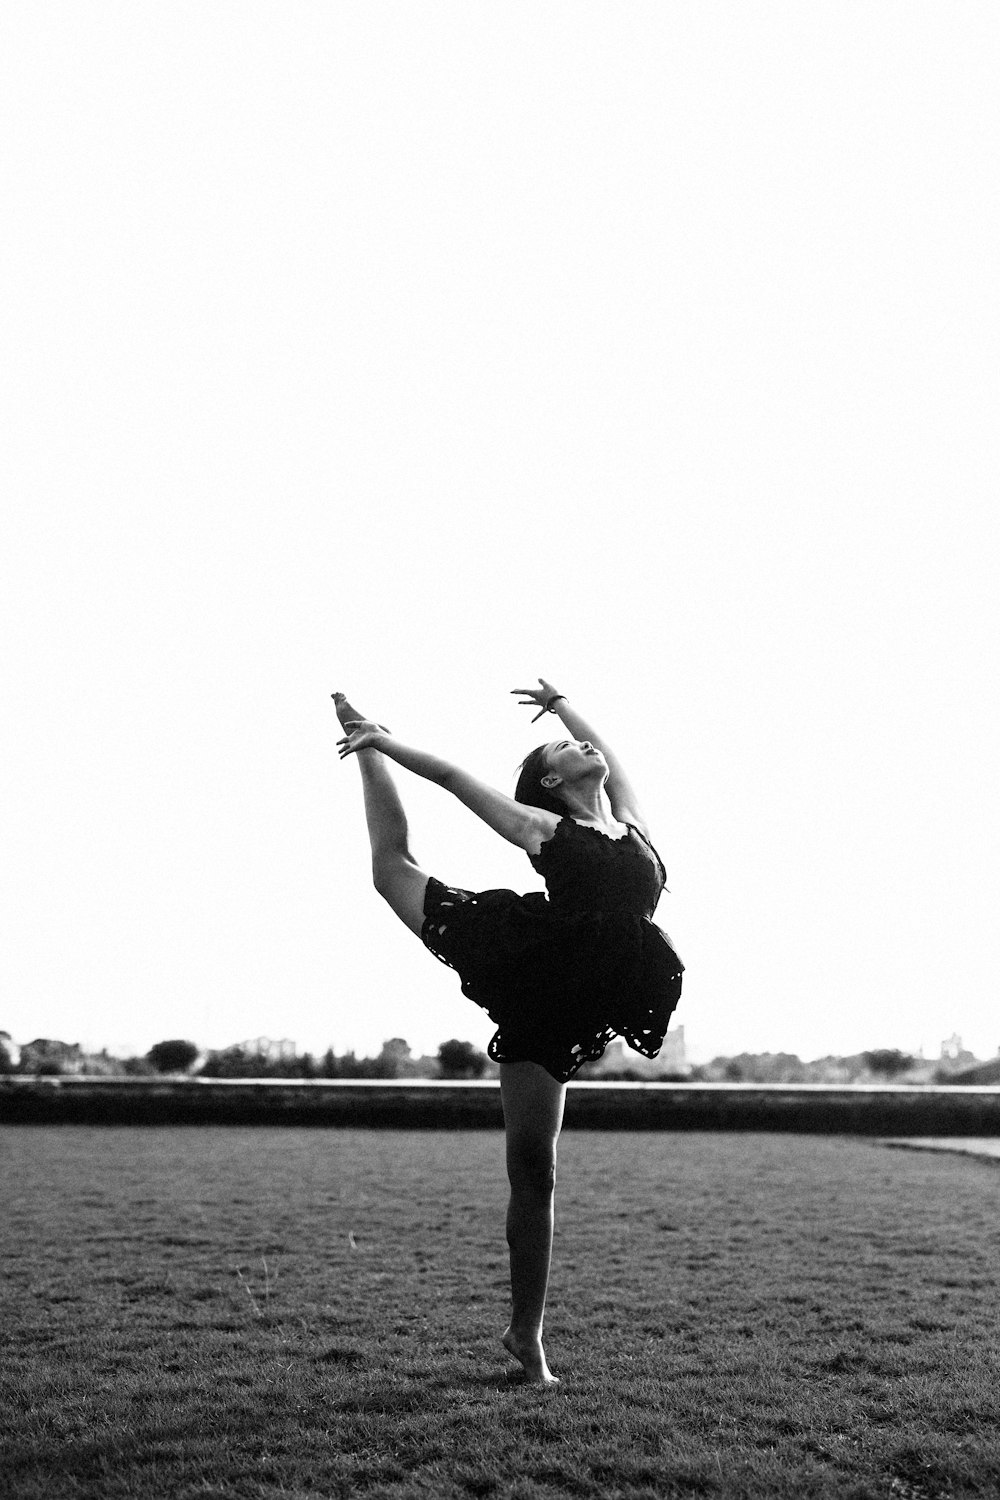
[621, 793]
[527, 827]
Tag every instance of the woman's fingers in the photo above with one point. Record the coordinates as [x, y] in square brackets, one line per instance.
[537, 697]
[361, 734]
[544, 690]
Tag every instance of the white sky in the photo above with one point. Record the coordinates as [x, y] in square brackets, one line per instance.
[421, 349]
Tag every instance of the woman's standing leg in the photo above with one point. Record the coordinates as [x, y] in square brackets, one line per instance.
[397, 876]
[532, 1098]
[533, 1109]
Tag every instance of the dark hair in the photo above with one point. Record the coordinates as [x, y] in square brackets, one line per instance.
[529, 787]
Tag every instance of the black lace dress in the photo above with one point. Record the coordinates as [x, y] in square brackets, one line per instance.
[563, 973]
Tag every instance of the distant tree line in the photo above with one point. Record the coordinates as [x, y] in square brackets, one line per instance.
[454, 1059]
[45, 1057]
[460, 1059]
[879, 1065]
[883, 1064]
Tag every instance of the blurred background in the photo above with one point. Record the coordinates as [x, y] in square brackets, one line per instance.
[419, 351]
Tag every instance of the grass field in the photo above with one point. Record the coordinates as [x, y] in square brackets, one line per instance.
[196, 1312]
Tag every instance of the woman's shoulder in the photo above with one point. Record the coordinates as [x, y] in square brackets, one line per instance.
[544, 827]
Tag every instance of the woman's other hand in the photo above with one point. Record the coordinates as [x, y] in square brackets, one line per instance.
[537, 697]
[362, 734]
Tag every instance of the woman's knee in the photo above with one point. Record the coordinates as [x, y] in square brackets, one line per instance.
[402, 883]
[531, 1165]
[384, 873]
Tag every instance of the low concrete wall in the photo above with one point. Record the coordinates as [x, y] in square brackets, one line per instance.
[424, 1104]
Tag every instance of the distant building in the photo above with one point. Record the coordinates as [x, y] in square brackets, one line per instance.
[955, 1057]
[621, 1059]
[269, 1050]
[673, 1054]
[45, 1055]
[102, 1064]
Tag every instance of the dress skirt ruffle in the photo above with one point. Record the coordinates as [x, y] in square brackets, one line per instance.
[558, 987]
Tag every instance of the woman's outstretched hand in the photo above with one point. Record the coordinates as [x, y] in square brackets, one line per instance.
[362, 734]
[537, 697]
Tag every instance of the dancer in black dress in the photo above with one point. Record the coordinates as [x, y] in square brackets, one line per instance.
[560, 973]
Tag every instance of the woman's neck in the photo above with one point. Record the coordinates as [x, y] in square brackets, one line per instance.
[589, 805]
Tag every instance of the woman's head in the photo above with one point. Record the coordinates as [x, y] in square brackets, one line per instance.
[529, 787]
[550, 768]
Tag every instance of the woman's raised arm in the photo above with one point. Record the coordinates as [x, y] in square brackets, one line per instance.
[621, 793]
[527, 827]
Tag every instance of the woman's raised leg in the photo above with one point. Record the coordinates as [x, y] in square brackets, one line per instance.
[533, 1109]
[397, 876]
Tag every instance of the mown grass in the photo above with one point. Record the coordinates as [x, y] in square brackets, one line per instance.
[197, 1312]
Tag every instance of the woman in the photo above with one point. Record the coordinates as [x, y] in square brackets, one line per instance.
[561, 973]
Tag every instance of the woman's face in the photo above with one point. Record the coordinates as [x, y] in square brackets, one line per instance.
[574, 760]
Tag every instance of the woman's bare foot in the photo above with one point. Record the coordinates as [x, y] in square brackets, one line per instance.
[530, 1353]
[348, 714]
[345, 711]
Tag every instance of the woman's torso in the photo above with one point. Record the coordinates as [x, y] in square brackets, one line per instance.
[587, 870]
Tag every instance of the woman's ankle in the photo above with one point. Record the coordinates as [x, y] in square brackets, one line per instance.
[525, 1332]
